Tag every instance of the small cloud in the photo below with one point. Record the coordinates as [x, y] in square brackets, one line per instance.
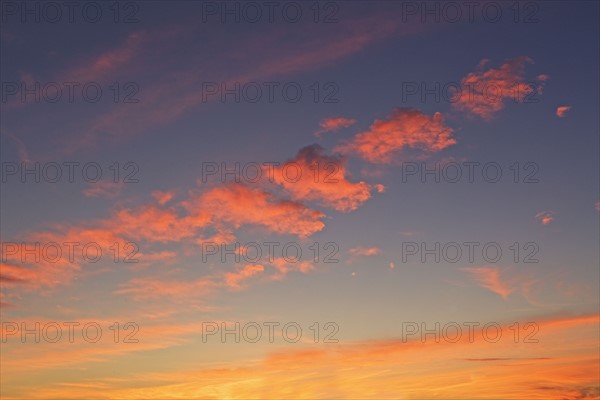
[104, 189]
[561, 111]
[365, 251]
[21, 148]
[284, 267]
[162, 197]
[334, 124]
[408, 233]
[392, 265]
[233, 279]
[489, 278]
[544, 217]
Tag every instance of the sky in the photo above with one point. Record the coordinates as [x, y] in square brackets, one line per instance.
[332, 199]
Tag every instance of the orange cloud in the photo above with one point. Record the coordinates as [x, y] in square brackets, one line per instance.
[561, 111]
[49, 259]
[544, 217]
[484, 92]
[489, 278]
[48, 275]
[229, 205]
[20, 359]
[406, 128]
[563, 364]
[313, 175]
[55, 257]
[334, 124]
[153, 288]
[233, 279]
[219, 209]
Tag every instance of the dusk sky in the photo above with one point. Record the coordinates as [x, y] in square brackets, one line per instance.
[309, 199]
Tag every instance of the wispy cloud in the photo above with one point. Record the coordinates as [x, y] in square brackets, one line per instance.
[105, 189]
[365, 251]
[544, 217]
[334, 124]
[564, 368]
[490, 278]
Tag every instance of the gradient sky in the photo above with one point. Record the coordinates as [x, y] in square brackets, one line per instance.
[370, 125]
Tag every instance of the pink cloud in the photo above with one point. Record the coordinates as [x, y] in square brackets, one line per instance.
[162, 197]
[106, 189]
[544, 217]
[240, 205]
[489, 278]
[334, 124]
[154, 288]
[222, 208]
[314, 175]
[406, 128]
[184, 87]
[155, 224]
[484, 92]
[106, 64]
[561, 111]
[365, 251]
